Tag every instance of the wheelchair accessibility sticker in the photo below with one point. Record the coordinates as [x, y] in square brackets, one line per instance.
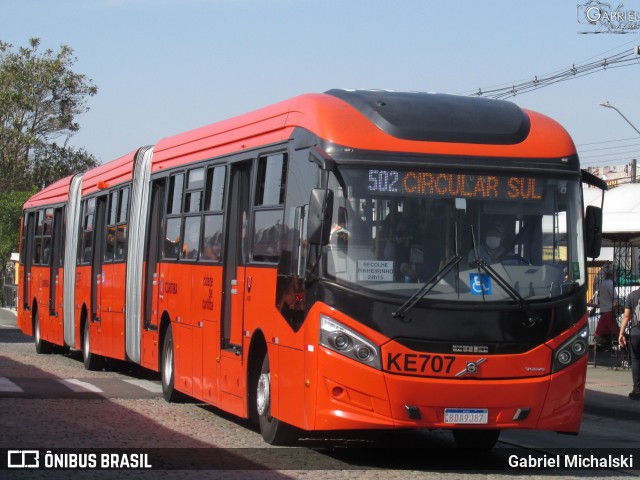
[479, 282]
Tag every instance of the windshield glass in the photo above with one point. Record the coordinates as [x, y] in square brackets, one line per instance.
[393, 230]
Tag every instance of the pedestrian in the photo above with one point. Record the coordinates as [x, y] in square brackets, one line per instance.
[631, 318]
[607, 328]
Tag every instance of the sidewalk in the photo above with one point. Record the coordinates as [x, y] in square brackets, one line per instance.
[7, 317]
[607, 389]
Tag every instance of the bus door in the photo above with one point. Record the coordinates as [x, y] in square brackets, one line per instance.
[29, 232]
[236, 252]
[55, 277]
[97, 276]
[149, 357]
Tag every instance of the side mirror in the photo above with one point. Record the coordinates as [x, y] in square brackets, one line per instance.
[319, 219]
[593, 231]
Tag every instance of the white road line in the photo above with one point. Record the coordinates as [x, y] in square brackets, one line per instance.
[145, 384]
[7, 385]
[79, 386]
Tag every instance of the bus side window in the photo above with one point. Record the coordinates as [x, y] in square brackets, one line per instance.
[121, 227]
[269, 207]
[211, 250]
[173, 220]
[85, 249]
[110, 244]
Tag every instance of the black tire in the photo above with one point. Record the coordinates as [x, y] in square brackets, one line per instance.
[91, 360]
[42, 346]
[476, 439]
[274, 431]
[167, 371]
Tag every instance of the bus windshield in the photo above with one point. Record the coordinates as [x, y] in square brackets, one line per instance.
[395, 229]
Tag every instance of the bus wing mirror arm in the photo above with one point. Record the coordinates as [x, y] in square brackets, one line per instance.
[322, 158]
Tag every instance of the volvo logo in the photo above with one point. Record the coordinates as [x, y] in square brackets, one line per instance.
[471, 368]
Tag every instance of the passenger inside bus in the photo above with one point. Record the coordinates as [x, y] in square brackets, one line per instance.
[190, 247]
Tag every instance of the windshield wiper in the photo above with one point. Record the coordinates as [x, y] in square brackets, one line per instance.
[402, 311]
[532, 317]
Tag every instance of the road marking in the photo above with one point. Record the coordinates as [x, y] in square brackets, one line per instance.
[79, 386]
[145, 384]
[7, 385]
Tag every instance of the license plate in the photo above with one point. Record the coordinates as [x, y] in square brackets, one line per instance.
[477, 416]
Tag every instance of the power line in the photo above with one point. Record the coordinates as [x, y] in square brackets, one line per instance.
[618, 60]
[606, 141]
[630, 152]
[610, 148]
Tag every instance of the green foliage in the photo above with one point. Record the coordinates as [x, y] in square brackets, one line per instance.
[40, 99]
[10, 213]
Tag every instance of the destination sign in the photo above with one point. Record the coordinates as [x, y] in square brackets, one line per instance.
[433, 184]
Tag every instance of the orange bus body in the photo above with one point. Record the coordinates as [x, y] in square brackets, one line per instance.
[227, 330]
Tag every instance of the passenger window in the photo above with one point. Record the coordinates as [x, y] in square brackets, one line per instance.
[116, 242]
[171, 244]
[269, 208]
[174, 201]
[212, 239]
[124, 205]
[215, 188]
[191, 243]
[271, 180]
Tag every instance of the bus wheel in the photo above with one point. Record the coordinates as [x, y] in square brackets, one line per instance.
[476, 439]
[42, 346]
[274, 431]
[168, 375]
[91, 360]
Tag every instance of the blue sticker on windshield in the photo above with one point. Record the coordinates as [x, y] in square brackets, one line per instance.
[477, 287]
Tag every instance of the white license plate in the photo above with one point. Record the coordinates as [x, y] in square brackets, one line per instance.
[477, 416]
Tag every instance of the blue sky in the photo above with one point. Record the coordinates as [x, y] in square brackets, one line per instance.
[166, 66]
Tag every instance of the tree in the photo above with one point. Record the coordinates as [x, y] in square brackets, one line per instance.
[40, 100]
[52, 162]
[10, 213]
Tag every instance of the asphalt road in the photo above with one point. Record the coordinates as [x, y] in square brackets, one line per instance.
[51, 403]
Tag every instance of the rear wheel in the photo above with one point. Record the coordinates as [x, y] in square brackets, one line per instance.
[168, 375]
[476, 439]
[42, 346]
[91, 360]
[274, 431]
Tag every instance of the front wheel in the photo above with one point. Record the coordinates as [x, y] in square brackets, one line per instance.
[476, 439]
[274, 431]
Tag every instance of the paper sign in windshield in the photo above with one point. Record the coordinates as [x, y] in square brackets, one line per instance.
[375, 271]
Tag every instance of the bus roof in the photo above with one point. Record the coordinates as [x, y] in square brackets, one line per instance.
[372, 120]
[109, 174]
[57, 192]
[375, 120]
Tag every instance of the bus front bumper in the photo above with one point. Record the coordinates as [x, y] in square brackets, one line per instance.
[351, 396]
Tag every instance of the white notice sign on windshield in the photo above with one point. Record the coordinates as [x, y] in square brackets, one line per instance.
[375, 271]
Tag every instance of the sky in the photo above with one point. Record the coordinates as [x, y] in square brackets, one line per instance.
[167, 66]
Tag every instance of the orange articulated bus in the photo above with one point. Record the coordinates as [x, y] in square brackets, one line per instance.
[343, 261]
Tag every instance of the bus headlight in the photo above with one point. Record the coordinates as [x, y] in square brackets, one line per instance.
[571, 351]
[343, 340]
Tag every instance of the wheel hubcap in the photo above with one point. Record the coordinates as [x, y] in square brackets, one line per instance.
[168, 366]
[263, 395]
